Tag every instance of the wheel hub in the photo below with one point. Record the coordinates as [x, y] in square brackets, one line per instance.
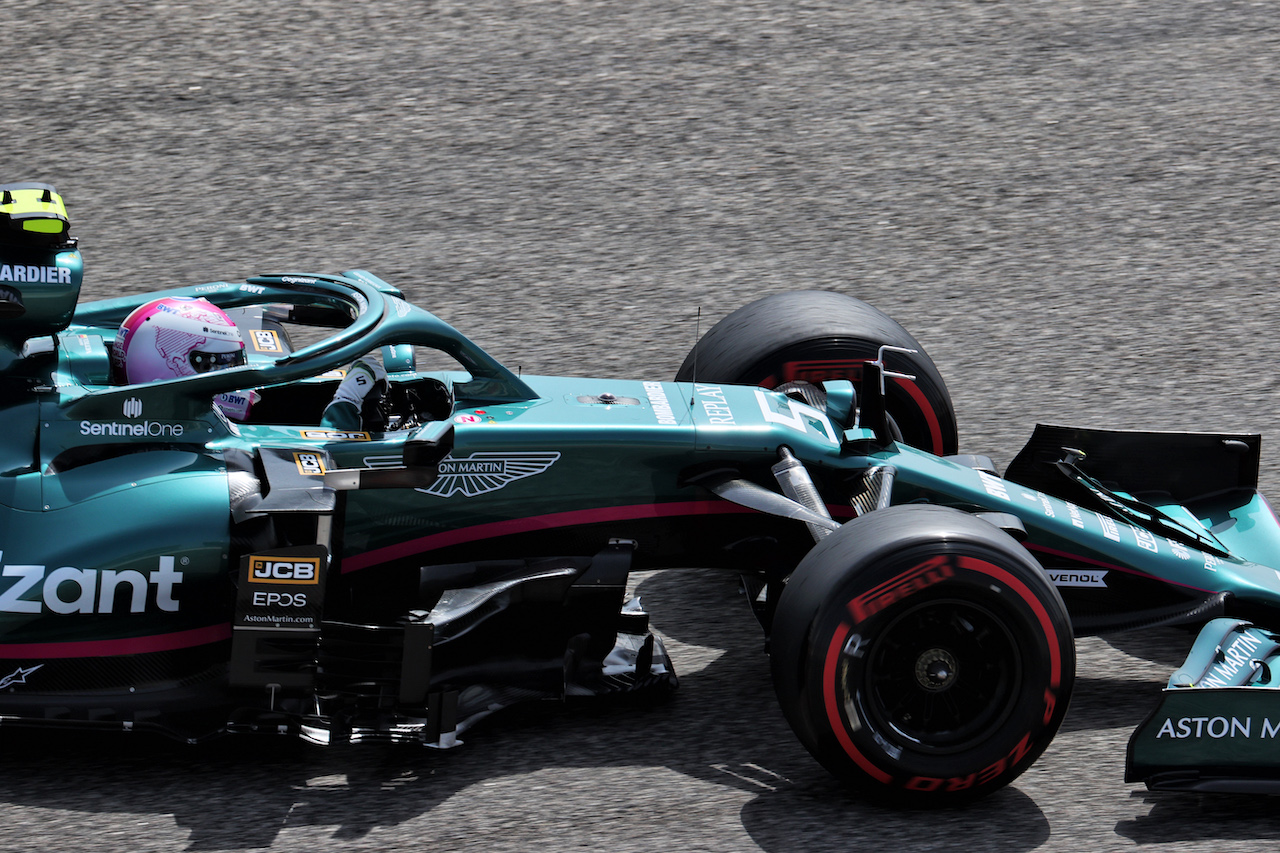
[936, 670]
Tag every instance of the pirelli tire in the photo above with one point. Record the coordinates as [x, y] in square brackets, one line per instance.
[922, 656]
[812, 335]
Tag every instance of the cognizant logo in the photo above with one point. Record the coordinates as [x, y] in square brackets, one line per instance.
[34, 589]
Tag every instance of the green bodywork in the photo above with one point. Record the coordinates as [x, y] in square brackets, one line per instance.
[1217, 727]
[587, 457]
[120, 506]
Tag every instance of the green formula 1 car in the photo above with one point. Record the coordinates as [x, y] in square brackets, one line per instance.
[165, 568]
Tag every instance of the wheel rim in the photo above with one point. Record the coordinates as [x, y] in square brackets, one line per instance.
[943, 675]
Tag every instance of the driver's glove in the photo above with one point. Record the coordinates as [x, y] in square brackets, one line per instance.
[366, 381]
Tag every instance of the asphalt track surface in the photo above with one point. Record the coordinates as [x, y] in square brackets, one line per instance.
[1075, 207]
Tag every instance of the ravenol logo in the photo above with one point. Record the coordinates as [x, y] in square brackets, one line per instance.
[132, 408]
[299, 570]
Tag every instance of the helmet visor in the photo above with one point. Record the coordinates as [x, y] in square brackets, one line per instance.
[203, 362]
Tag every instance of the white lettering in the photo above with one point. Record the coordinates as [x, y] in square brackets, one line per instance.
[143, 429]
[11, 600]
[800, 414]
[661, 405]
[280, 599]
[715, 406]
[30, 274]
[1234, 658]
[1215, 727]
[165, 580]
[994, 485]
[94, 590]
[107, 590]
[1145, 539]
[84, 580]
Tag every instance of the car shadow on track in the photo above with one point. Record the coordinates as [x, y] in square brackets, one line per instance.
[555, 767]
[1180, 817]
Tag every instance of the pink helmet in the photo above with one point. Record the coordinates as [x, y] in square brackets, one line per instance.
[175, 336]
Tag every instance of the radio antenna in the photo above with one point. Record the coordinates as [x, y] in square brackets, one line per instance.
[697, 333]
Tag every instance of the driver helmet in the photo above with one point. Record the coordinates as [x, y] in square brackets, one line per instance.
[175, 336]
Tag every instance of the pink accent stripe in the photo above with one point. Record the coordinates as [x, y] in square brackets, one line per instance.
[552, 521]
[112, 648]
[1068, 555]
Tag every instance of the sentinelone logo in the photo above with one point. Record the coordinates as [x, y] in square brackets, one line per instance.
[139, 429]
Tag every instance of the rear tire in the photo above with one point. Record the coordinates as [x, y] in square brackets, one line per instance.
[815, 335]
[921, 655]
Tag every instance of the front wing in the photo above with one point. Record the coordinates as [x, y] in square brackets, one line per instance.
[1217, 728]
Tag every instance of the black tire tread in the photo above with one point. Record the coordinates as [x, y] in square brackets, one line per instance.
[734, 349]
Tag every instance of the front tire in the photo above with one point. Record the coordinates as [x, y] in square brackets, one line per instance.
[815, 335]
[922, 656]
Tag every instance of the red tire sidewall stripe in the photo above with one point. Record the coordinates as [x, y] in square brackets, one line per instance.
[930, 416]
[834, 718]
[1046, 624]
[831, 703]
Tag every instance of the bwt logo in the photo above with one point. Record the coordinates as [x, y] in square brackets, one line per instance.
[133, 408]
[272, 570]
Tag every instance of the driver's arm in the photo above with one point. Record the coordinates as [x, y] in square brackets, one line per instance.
[365, 378]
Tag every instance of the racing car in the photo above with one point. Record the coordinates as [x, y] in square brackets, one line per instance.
[164, 568]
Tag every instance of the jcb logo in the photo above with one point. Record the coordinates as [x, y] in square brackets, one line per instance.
[271, 570]
[266, 340]
[309, 464]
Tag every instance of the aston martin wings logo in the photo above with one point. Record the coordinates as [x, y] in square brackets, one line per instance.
[487, 471]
